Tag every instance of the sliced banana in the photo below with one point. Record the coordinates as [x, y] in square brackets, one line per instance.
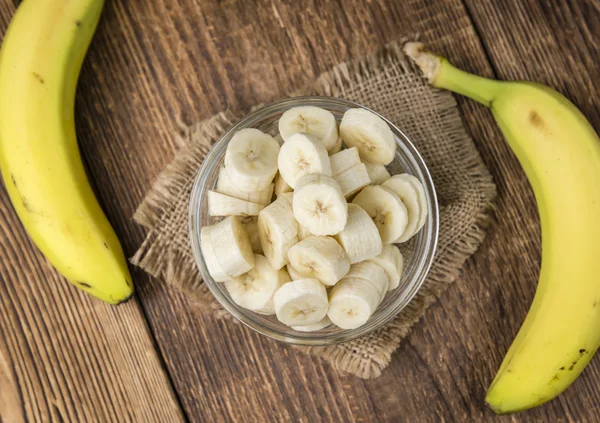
[214, 268]
[303, 233]
[321, 324]
[392, 262]
[225, 186]
[360, 238]
[281, 186]
[319, 257]
[255, 290]
[421, 198]
[300, 155]
[386, 209]
[352, 302]
[377, 173]
[300, 303]
[353, 180]
[319, 204]
[278, 231]
[315, 121]
[372, 273]
[224, 205]
[250, 224]
[294, 274]
[369, 133]
[343, 160]
[231, 246]
[337, 147]
[251, 159]
[407, 192]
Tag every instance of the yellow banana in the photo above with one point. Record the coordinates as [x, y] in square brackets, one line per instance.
[560, 153]
[40, 60]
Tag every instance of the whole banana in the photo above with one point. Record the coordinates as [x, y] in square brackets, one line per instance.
[40, 60]
[560, 153]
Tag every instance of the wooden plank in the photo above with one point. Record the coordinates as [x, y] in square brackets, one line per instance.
[64, 356]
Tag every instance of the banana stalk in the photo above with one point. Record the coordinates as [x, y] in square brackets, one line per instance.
[40, 61]
[560, 153]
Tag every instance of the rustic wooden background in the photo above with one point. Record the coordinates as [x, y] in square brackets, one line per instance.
[67, 357]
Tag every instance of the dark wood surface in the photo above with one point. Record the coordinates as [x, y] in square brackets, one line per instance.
[67, 357]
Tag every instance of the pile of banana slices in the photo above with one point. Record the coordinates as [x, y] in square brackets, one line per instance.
[310, 257]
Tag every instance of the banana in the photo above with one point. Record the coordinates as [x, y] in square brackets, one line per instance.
[392, 262]
[278, 231]
[303, 233]
[560, 153]
[294, 274]
[214, 268]
[353, 180]
[370, 134]
[321, 258]
[377, 173]
[40, 60]
[255, 290]
[405, 186]
[386, 209]
[373, 274]
[225, 186]
[300, 155]
[352, 302]
[250, 224]
[360, 238]
[281, 187]
[224, 205]
[343, 160]
[315, 121]
[251, 159]
[300, 303]
[319, 205]
[231, 245]
[336, 147]
[321, 324]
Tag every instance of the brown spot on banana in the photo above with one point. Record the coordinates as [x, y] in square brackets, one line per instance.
[38, 77]
[537, 122]
[83, 284]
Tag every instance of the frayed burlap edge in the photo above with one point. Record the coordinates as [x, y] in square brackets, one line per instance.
[156, 258]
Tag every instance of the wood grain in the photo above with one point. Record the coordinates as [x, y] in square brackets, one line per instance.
[65, 357]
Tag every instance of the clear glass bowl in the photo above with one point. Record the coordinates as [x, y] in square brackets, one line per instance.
[418, 252]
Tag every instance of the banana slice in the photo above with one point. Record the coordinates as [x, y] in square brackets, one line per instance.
[315, 121]
[214, 268]
[278, 231]
[319, 257]
[225, 186]
[421, 198]
[408, 194]
[360, 238]
[231, 246]
[353, 180]
[386, 209]
[377, 173]
[294, 274]
[343, 160]
[321, 324]
[319, 204]
[369, 133]
[224, 205]
[392, 262]
[251, 159]
[300, 155]
[255, 290]
[372, 273]
[352, 302]
[300, 303]
[303, 233]
[281, 186]
[250, 224]
[337, 147]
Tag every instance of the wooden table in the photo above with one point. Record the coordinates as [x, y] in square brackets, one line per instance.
[67, 357]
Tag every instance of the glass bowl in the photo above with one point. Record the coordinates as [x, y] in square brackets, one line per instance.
[418, 252]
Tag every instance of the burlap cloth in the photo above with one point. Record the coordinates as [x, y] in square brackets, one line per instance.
[388, 83]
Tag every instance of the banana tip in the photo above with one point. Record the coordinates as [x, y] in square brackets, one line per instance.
[428, 62]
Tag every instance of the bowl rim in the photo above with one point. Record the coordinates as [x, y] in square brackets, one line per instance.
[311, 338]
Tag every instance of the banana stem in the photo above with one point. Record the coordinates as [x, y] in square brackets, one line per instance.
[442, 74]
